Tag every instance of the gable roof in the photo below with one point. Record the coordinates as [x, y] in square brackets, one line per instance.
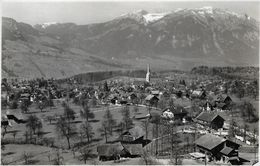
[155, 92]
[149, 97]
[176, 110]
[209, 141]
[137, 132]
[133, 149]
[109, 149]
[208, 116]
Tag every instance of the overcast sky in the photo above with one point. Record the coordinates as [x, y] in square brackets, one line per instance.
[93, 12]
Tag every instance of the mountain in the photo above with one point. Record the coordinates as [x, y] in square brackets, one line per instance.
[180, 39]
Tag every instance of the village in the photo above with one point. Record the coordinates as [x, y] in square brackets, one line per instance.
[178, 118]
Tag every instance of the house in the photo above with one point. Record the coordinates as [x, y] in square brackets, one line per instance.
[132, 150]
[210, 119]
[152, 100]
[223, 98]
[109, 151]
[155, 93]
[220, 149]
[25, 97]
[132, 96]
[165, 94]
[201, 94]
[117, 150]
[131, 135]
[207, 106]
[176, 113]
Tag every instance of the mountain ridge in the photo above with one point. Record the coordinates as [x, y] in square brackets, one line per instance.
[179, 39]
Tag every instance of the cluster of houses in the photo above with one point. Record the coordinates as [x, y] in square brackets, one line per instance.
[30, 91]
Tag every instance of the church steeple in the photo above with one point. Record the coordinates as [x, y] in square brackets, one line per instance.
[148, 73]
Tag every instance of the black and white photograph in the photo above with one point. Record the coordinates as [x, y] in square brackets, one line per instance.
[131, 82]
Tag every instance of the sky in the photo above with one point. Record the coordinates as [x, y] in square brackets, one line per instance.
[95, 12]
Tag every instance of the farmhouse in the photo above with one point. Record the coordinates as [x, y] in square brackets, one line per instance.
[219, 149]
[210, 119]
[176, 113]
[131, 135]
[109, 151]
[223, 98]
[151, 100]
[132, 150]
[201, 94]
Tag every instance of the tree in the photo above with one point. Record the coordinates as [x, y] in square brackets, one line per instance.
[246, 127]
[65, 129]
[58, 160]
[33, 122]
[171, 103]
[87, 130]
[145, 125]
[126, 117]
[85, 154]
[86, 113]
[156, 120]
[162, 103]
[14, 134]
[93, 102]
[105, 87]
[26, 157]
[68, 113]
[147, 158]
[4, 125]
[104, 130]
[109, 120]
[232, 131]
[41, 105]
[49, 118]
[24, 107]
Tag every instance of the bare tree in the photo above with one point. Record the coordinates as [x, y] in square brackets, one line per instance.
[126, 117]
[104, 130]
[85, 154]
[33, 122]
[58, 160]
[24, 106]
[69, 113]
[41, 105]
[26, 157]
[109, 120]
[145, 125]
[86, 112]
[87, 130]
[246, 127]
[65, 129]
[14, 134]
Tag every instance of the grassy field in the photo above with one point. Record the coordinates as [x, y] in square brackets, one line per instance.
[50, 132]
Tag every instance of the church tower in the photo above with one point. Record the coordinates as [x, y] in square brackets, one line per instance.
[148, 74]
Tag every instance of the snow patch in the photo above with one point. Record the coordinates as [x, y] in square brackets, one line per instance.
[204, 10]
[45, 25]
[152, 17]
[178, 9]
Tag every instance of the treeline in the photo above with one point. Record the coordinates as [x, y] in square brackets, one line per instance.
[227, 72]
[102, 75]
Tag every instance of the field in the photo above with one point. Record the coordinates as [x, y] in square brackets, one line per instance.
[50, 132]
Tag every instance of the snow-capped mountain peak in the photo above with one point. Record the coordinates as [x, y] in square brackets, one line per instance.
[45, 25]
[204, 10]
[152, 17]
